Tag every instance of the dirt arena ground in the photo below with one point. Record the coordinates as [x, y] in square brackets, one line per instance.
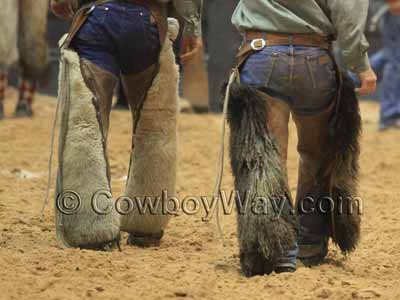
[191, 262]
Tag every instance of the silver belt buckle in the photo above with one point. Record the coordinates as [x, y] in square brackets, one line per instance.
[258, 44]
[90, 10]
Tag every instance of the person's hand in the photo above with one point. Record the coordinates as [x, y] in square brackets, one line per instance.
[61, 8]
[394, 7]
[368, 82]
[191, 45]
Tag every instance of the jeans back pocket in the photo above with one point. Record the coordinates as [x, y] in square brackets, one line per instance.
[321, 72]
[315, 84]
[259, 68]
[91, 31]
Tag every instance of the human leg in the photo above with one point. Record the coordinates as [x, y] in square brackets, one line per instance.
[328, 125]
[3, 87]
[153, 98]
[389, 97]
[33, 51]
[89, 73]
[85, 94]
[8, 45]
[258, 146]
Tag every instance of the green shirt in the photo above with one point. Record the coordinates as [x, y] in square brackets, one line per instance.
[344, 19]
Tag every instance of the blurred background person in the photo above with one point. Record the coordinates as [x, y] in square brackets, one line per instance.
[221, 41]
[23, 39]
[386, 63]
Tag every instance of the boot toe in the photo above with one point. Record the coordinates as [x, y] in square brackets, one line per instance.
[145, 241]
[23, 110]
[313, 254]
[105, 247]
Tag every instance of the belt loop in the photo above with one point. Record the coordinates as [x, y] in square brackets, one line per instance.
[314, 39]
[244, 41]
[291, 40]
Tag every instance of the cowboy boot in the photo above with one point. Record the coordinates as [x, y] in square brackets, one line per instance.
[313, 136]
[153, 98]
[85, 94]
[27, 90]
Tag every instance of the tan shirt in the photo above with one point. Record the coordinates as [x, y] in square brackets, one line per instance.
[190, 11]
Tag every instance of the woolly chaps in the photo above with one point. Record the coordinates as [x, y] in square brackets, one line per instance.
[267, 225]
[153, 164]
[85, 214]
[338, 176]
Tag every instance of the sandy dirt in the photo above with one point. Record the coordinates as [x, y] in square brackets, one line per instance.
[191, 262]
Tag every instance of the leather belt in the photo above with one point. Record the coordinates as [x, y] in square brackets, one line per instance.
[257, 40]
[261, 39]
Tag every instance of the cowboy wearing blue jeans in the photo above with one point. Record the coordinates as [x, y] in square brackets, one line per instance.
[286, 57]
[108, 40]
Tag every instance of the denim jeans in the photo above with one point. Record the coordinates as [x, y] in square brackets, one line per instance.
[303, 77]
[387, 63]
[119, 37]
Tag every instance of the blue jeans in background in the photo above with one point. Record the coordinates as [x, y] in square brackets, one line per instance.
[388, 71]
[387, 64]
[119, 37]
[390, 94]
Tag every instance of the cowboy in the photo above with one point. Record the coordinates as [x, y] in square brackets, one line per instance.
[24, 25]
[286, 68]
[108, 40]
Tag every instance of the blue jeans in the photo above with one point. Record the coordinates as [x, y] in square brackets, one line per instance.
[390, 94]
[386, 63]
[378, 61]
[119, 37]
[303, 77]
[388, 71]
